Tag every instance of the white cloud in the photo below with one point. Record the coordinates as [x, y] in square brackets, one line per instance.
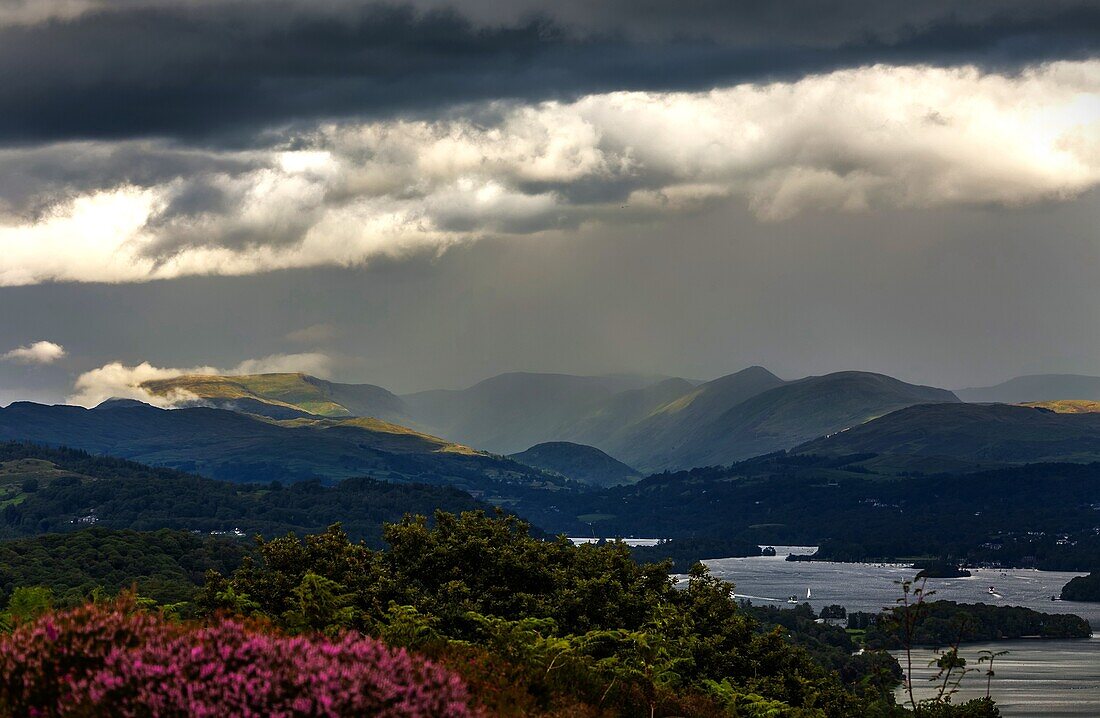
[117, 380]
[849, 141]
[314, 363]
[42, 352]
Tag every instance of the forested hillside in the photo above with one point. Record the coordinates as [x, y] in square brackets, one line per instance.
[163, 565]
[63, 490]
[232, 446]
[1040, 514]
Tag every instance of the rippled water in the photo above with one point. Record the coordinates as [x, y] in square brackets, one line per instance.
[870, 587]
[1037, 678]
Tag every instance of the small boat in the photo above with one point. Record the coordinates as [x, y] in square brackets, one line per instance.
[807, 593]
[992, 591]
[792, 599]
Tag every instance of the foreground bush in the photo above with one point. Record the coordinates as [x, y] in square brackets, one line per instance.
[544, 627]
[118, 661]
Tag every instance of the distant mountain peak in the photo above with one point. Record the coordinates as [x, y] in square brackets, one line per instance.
[119, 402]
[1036, 388]
[283, 395]
[579, 462]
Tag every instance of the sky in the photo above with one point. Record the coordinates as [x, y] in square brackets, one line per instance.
[424, 194]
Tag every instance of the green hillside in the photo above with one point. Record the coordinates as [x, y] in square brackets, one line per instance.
[280, 395]
[603, 423]
[78, 490]
[648, 423]
[662, 438]
[244, 448]
[982, 433]
[1039, 515]
[578, 462]
[511, 412]
[753, 413]
[666, 424]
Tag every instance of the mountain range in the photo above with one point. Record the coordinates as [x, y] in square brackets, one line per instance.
[754, 412]
[511, 412]
[240, 447]
[279, 396]
[978, 433]
[561, 430]
[667, 424]
[854, 446]
[1036, 387]
[649, 423]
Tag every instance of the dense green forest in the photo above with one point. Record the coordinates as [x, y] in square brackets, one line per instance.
[944, 623]
[831, 646]
[545, 627]
[1082, 588]
[56, 490]
[1038, 515]
[533, 627]
[166, 566]
[231, 446]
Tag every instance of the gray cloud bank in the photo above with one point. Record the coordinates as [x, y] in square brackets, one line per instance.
[347, 193]
[154, 139]
[225, 70]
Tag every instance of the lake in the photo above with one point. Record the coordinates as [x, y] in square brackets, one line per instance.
[1038, 678]
[871, 587]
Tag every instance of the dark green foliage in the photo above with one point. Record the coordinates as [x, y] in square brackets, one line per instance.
[125, 495]
[231, 446]
[873, 673]
[979, 433]
[579, 462]
[1040, 515]
[589, 611]
[461, 564]
[165, 565]
[977, 708]
[944, 623]
[1082, 588]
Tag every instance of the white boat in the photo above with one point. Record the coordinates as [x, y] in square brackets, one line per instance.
[807, 593]
[792, 599]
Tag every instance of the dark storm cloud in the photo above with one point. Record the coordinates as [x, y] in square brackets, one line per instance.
[35, 179]
[225, 71]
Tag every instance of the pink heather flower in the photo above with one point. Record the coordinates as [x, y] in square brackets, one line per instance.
[121, 662]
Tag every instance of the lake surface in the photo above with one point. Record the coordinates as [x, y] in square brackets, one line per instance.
[872, 587]
[1038, 677]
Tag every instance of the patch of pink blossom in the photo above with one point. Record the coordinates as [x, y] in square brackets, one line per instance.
[112, 660]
